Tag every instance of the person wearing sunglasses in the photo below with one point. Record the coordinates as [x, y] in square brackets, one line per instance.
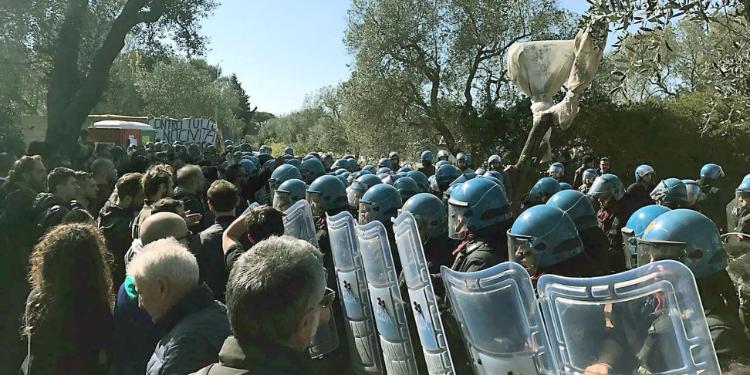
[276, 300]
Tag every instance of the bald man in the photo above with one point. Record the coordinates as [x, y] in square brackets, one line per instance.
[135, 335]
[157, 226]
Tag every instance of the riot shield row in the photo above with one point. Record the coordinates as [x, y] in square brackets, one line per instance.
[648, 320]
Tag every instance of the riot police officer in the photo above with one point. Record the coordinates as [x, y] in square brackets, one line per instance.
[638, 192]
[671, 193]
[542, 190]
[479, 215]
[427, 168]
[710, 202]
[612, 215]
[287, 193]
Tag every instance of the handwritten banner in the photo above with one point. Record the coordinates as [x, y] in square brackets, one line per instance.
[187, 130]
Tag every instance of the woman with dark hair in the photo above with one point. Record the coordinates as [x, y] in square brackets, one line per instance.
[68, 319]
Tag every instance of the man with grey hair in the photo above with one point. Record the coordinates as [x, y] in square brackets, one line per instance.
[276, 299]
[194, 324]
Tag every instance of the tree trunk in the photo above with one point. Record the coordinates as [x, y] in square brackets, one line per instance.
[522, 174]
[70, 101]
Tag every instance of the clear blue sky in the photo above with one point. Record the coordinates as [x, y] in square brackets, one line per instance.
[282, 50]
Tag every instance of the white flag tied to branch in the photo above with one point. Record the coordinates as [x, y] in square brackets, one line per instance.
[540, 69]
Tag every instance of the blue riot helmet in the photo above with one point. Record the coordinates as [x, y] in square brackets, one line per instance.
[246, 147]
[370, 168]
[494, 163]
[384, 170]
[380, 203]
[308, 157]
[288, 151]
[407, 187]
[384, 178]
[340, 171]
[282, 173]
[542, 237]
[288, 192]
[693, 192]
[311, 169]
[462, 161]
[250, 167]
[369, 180]
[384, 163]
[474, 205]
[440, 164]
[543, 189]
[463, 178]
[671, 193]
[421, 180]
[263, 150]
[295, 162]
[287, 157]
[340, 164]
[634, 228]
[498, 175]
[344, 179]
[430, 215]
[498, 182]
[578, 206]
[327, 194]
[353, 165]
[565, 186]
[362, 173]
[448, 191]
[480, 171]
[556, 170]
[606, 187]
[425, 156]
[588, 177]
[744, 186]
[642, 171]
[687, 236]
[443, 155]
[711, 171]
[445, 175]
[269, 164]
[405, 169]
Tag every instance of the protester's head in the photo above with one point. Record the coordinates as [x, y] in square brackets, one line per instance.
[87, 190]
[263, 222]
[164, 271]
[61, 181]
[604, 165]
[130, 191]
[587, 161]
[223, 197]
[157, 182]
[237, 174]
[164, 225]
[190, 178]
[169, 205]
[276, 292]
[103, 170]
[29, 170]
[69, 267]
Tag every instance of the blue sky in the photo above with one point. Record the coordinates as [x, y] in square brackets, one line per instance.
[282, 50]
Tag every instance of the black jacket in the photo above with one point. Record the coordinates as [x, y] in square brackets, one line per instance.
[427, 170]
[712, 205]
[638, 196]
[596, 245]
[484, 249]
[114, 223]
[259, 357]
[611, 219]
[210, 255]
[195, 329]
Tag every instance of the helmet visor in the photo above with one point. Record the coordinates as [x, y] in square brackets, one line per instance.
[693, 193]
[651, 251]
[458, 217]
[282, 200]
[629, 246]
[353, 196]
[316, 203]
[367, 212]
[600, 189]
[520, 250]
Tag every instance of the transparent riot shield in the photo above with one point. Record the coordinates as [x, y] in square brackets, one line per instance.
[388, 307]
[648, 320]
[422, 295]
[500, 320]
[364, 350]
[298, 222]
